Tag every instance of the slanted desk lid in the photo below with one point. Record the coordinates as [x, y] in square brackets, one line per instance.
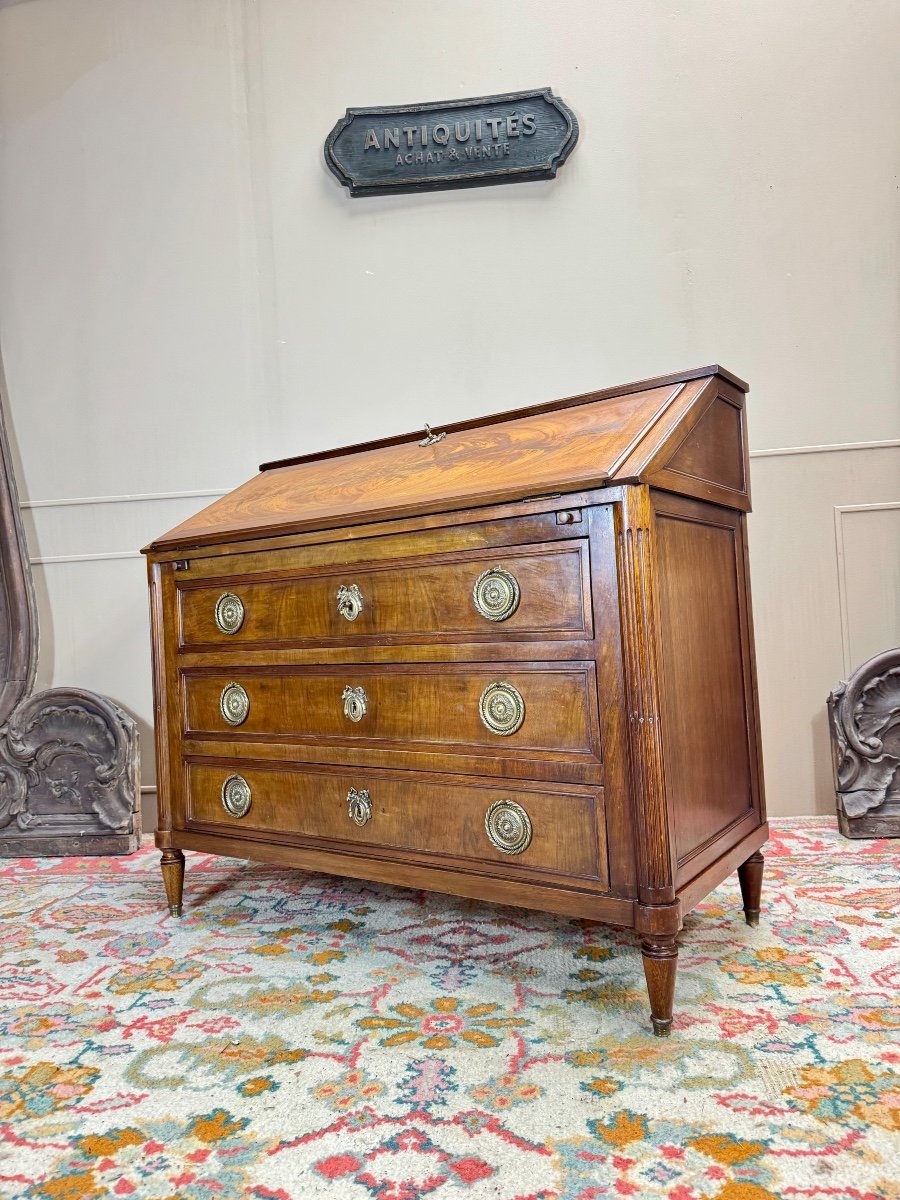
[570, 445]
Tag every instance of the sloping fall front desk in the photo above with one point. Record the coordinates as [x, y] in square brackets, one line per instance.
[511, 659]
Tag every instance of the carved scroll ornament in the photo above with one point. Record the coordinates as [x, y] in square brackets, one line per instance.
[865, 734]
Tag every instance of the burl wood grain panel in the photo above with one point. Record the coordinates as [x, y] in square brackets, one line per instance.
[436, 705]
[427, 815]
[553, 451]
[703, 689]
[403, 600]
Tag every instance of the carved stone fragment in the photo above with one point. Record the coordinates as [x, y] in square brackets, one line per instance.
[865, 740]
[69, 759]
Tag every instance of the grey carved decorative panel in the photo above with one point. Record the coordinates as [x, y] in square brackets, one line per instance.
[69, 759]
[865, 739]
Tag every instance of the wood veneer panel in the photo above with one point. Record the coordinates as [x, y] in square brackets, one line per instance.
[439, 648]
[699, 887]
[509, 523]
[400, 600]
[468, 534]
[514, 414]
[434, 706]
[712, 451]
[710, 462]
[620, 814]
[428, 815]
[537, 765]
[702, 685]
[563, 449]
[571, 901]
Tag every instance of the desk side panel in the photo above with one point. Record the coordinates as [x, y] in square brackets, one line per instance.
[707, 684]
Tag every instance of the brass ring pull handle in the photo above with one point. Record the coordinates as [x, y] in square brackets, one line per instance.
[236, 795]
[359, 806]
[356, 703]
[234, 704]
[496, 594]
[349, 601]
[229, 612]
[508, 826]
[502, 708]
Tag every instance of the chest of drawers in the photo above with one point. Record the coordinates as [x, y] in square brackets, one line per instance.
[510, 660]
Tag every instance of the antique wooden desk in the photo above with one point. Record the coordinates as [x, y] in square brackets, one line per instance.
[511, 659]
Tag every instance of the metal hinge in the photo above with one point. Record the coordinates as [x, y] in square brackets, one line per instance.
[549, 496]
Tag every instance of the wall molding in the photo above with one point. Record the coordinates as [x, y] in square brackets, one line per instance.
[137, 497]
[216, 493]
[839, 512]
[826, 448]
[43, 560]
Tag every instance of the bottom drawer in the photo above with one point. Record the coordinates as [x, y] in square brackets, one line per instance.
[509, 828]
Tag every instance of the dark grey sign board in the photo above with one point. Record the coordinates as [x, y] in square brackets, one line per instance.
[452, 143]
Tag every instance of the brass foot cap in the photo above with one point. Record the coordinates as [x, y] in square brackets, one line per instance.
[174, 910]
[752, 917]
[662, 1026]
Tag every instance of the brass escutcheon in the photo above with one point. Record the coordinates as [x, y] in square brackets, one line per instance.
[508, 826]
[502, 708]
[229, 612]
[234, 704]
[359, 806]
[236, 795]
[356, 703]
[349, 601]
[496, 594]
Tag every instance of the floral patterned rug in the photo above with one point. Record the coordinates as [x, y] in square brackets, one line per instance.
[299, 1036]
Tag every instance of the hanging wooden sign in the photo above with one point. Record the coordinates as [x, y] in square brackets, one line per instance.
[451, 144]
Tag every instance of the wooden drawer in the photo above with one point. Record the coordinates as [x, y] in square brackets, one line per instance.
[545, 588]
[426, 815]
[501, 707]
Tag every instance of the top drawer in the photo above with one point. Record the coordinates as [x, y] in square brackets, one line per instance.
[521, 590]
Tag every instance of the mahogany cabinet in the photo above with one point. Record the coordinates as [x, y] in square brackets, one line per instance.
[511, 659]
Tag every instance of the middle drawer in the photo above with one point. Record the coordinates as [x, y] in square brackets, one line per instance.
[501, 706]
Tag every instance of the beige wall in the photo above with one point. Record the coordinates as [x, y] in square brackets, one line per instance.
[186, 291]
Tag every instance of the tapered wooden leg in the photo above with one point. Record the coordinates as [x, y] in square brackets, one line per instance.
[660, 956]
[172, 866]
[750, 875]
